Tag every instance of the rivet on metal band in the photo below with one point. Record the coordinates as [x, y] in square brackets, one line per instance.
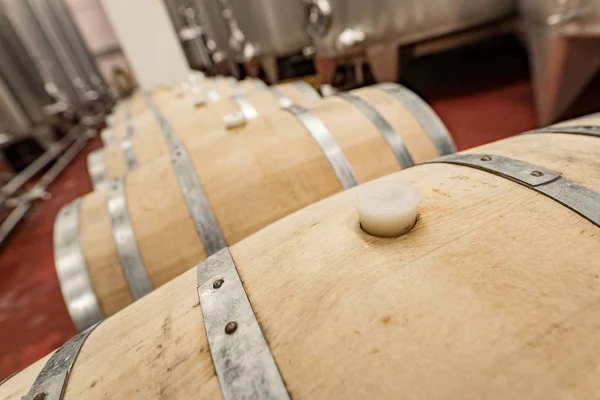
[97, 169]
[129, 154]
[108, 136]
[574, 196]
[283, 100]
[71, 267]
[200, 210]
[241, 356]
[206, 223]
[393, 139]
[334, 153]
[51, 382]
[427, 118]
[129, 254]
[246, 108]
[586, 130]
[308, 91]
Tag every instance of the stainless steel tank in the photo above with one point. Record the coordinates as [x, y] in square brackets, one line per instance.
[344, 28]
[70, 33]
[62, 76]
[13, 119]
[21, 80]
[563, 37]
[218, 33]
[271, 29]
[190, 31]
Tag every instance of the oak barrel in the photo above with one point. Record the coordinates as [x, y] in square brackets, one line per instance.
[492, 295]
[149, 140]
[134, 116]
[114, 246]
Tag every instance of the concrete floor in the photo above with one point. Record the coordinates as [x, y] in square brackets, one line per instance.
[482, 94]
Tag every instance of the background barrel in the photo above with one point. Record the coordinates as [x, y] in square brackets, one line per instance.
[149, 141]
[480, 297]
[163, 218]
[211, 89]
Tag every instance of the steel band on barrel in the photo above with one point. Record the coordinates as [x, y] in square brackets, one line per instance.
[98, 170]
[52, 380]
[331, 149]
[427, 118]
[552, 184]
[71, 267]
[133, 266]
[200, 210]
[393, 139]
[241, 356]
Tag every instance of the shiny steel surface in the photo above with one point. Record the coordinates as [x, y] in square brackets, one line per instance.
[273, 27]
[428, 119]
[21, 81]
[51, 383]
[331, 149]
[13, 119]
[241, 356]
[72, 36]
[51, 29]
[402, 21]
[561, 62]
[57, 79]
[71, 267]
[132, 263]
[576, 197]
[217, 30]
[556, 12]
[97, 169]
[393, 139]
[189, 31]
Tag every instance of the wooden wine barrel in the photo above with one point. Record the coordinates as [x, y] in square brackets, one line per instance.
[169, 214]
[149, 139]
[133, 115]
[492, 295]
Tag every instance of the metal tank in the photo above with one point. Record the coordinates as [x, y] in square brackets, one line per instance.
[272, 29]
[13, 119]
[62, 77]
[20, 76]
[376, 28]
[563, 37]
[190, 31]
[69, 32]
[218, 33]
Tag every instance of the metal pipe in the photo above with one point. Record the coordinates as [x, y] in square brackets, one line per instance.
[21, 210]
[32, 169]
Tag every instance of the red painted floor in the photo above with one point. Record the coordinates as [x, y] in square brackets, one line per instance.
[482, 95]
[33, 317]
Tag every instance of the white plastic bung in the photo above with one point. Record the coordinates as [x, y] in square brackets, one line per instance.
[199, 100]
[387, 208]
[234, 120]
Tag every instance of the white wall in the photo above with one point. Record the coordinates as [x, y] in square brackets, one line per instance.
[147, 37]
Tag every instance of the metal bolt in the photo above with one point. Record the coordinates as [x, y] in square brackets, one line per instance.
[486, 158]
[40, 396]
[589, 127]
[231, 327]
[537, 173]
[218, 283]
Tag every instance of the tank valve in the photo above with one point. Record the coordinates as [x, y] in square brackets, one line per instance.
[234, 120]
[387, 208]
